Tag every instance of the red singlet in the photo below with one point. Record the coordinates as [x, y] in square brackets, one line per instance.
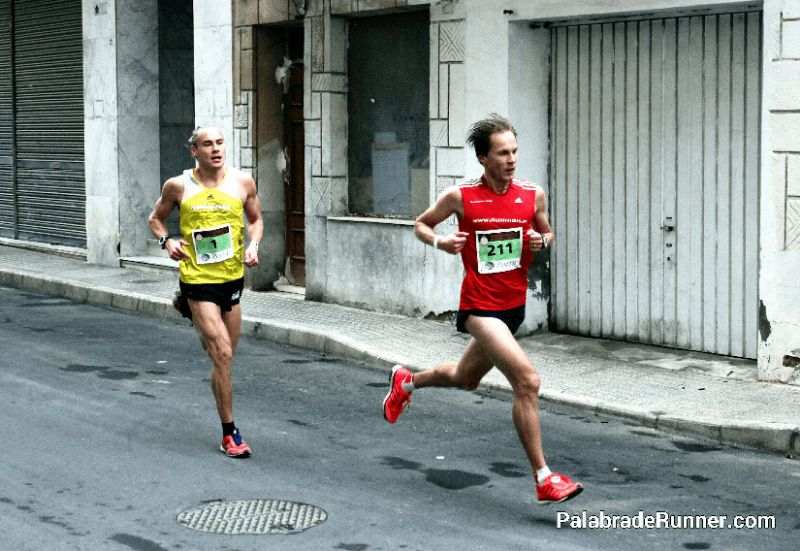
[497, 254]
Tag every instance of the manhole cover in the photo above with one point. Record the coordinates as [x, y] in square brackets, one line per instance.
[257, 516]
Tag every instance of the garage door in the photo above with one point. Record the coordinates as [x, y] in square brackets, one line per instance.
[655, 180]
[45, 122]
[7, 217]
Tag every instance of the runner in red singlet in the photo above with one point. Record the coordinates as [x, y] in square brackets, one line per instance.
[502, 222]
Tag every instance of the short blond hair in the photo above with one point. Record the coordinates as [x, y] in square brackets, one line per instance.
[197, 131]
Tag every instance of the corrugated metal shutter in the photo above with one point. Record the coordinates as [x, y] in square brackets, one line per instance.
[655, 124]
[48, 55]
[7, 215]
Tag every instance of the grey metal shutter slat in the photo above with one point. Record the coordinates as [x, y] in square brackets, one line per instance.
[48, 51]
[655, 118]
[6, 124]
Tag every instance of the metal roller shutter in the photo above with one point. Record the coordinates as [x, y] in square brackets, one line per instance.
[655, 180]
[48, 65]
[7, 215]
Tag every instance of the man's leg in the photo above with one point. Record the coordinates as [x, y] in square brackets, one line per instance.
[502, 350]
[466, 373]
[219, 334]
[216, 339]
[500, 346]
[233, 322]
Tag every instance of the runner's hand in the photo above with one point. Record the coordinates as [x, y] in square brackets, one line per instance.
[251, 255]
[535, 240]
[175, 248]
[454, 242]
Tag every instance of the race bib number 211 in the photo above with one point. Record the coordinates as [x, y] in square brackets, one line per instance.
[499, 250]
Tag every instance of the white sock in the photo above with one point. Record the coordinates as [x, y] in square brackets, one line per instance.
[541, 474]
[408, 386]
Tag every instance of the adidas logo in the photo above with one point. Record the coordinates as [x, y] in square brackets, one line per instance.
[211, 196]
[518, 200]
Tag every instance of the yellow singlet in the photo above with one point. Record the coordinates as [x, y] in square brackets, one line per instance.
[212, 224]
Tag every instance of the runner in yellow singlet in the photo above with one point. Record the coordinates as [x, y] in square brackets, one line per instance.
[213, 200]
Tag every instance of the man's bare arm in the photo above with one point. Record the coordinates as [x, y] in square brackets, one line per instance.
[171, 195]
[541, 223]
[255, 229]
[449, 203]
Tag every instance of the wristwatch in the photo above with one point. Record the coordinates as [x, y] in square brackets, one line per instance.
[162, 241]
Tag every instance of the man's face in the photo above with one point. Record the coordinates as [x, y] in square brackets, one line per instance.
[210, 148]
[501, 161]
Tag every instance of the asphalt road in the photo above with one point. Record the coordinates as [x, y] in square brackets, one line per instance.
[110, 434]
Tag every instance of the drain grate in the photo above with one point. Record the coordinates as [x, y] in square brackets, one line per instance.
[257, 516]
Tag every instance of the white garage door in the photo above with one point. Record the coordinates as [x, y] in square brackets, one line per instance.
[655, 180]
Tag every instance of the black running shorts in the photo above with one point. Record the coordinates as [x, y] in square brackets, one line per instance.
[225, 295]
[513, 318]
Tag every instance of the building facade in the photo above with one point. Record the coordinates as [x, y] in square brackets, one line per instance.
[664, 133]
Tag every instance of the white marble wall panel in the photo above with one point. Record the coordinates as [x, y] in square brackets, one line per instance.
[138, 121]
[790, 39]
[450, 161]
[270, 11]
[334, 134]
[439, 133]
[213, 36]
[313, 133]
[100, 132]
[433, 67]
[335, 58]
[785, 94]
[456, 116]
[447, 10]
[793, 175]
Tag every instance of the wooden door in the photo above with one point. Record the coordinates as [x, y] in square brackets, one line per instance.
[295, 178]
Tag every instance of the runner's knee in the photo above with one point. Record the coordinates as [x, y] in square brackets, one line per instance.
[468, 383]
[527, 384]
[220, 351]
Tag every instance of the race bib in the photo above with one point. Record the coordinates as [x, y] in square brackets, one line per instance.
[499, 250]
[213, 244]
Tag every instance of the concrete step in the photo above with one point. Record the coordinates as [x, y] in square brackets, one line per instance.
[147, 263]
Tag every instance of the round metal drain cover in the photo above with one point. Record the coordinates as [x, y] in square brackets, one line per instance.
[256, 516]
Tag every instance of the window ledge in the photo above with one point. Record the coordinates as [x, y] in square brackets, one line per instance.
[372, 220]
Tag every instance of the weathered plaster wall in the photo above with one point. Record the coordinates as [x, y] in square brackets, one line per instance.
[376, 264]
[779, 287]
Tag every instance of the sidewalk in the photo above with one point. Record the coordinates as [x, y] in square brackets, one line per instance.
[680, 392]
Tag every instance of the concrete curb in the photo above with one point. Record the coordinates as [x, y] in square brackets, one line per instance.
[774, 437]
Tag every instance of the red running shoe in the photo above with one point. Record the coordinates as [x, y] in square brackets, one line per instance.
[398, 399]
[233, 445]
[557, 488]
